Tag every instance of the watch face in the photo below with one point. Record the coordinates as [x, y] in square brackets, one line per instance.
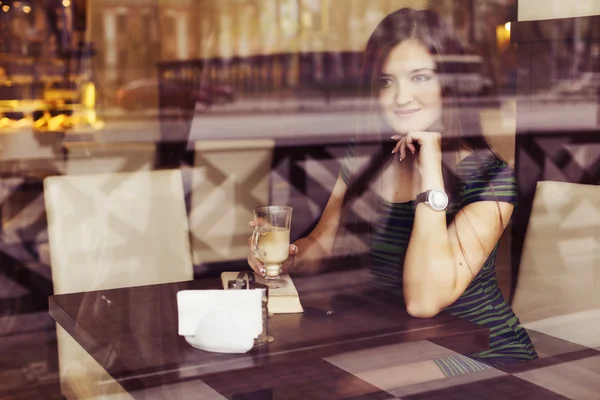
[438, 200]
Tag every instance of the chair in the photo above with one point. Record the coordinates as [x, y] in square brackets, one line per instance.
[110, 231]
[229, 179]
[84, 158]
[559, 277]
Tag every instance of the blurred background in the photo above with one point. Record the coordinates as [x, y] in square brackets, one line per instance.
[254, 101]
[100, 58]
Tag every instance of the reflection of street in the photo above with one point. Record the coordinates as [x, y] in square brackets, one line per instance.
[284, 120]
[315, 120]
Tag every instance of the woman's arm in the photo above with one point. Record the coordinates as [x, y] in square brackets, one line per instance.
[314, 249]
[441, 261]
[308, 254]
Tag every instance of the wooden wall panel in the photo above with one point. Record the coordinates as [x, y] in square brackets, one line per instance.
[558, 111]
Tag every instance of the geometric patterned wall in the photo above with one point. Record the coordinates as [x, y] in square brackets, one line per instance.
[558, 156]
[558, 111]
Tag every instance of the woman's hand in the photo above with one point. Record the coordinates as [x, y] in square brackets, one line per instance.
[430, 145]
[429, 156]
[258, 267]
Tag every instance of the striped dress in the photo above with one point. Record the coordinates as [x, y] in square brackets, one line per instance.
[481, 179]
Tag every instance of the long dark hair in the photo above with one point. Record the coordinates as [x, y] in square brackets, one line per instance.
[461, 128]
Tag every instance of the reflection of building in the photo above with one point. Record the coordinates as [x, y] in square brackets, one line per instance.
[242, 27]
[45, 76]
[132, 35]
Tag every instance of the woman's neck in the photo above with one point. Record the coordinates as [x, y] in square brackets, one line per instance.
[461, 154]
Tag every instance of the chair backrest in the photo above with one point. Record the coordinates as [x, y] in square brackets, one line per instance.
[117, 230]
[560, 264]
[229, 179]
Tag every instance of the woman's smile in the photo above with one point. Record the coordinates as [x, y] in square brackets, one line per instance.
[410, 94]
[406, 113]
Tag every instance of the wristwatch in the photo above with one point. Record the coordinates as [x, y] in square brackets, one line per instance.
[437, 199]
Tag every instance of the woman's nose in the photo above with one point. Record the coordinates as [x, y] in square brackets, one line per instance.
[403, 93]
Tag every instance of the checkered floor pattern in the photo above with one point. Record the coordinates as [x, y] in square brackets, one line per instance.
[565, 370]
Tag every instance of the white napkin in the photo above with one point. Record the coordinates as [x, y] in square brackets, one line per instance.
[224, 321]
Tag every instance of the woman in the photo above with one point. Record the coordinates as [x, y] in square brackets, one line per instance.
[442, 197]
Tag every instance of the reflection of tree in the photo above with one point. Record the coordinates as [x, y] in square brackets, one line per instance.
[138, 46]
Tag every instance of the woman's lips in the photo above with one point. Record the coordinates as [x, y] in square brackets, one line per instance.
[406, 113]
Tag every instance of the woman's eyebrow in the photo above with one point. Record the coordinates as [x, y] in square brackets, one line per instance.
[414, 71]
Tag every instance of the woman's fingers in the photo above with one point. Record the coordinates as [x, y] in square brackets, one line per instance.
[261, 222]
[256, 265]
[411, 139]
[403, 150]
[410, 143]
[398, 149]
[404, 142]
[253, 262]
[290, 260]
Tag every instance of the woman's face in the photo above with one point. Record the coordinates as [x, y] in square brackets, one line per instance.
[410, 94]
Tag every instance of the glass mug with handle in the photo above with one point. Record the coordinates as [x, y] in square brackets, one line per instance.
[271, 241]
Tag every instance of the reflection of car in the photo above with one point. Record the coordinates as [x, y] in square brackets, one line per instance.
[144, 93]
[465, 71]
[583, 84]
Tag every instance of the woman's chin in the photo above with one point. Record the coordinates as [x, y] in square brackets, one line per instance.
[403, 129]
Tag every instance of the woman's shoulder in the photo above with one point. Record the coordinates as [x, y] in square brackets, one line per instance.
[486, 177]
[478, 164]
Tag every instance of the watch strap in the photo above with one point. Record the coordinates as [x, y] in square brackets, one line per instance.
[422, 197]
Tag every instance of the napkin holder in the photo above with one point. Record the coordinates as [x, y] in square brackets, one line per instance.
[220, 321]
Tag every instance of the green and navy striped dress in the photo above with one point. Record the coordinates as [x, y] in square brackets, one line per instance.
[481, 179]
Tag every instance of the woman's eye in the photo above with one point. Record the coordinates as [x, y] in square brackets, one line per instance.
[421, 78]
[385, 82]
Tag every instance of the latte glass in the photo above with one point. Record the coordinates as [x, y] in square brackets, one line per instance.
[271, 241]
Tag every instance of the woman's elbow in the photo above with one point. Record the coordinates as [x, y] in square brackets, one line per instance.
[421, 310]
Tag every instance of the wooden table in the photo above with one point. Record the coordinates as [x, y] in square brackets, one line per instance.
[132, 332]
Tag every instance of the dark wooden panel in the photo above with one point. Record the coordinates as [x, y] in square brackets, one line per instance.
[558, 85]
[132, 332]
[539, 68]
[555, 29]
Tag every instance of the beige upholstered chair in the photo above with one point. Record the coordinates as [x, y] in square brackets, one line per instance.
[229, 179]
[109, 231]
[558, 292]
[98, 158]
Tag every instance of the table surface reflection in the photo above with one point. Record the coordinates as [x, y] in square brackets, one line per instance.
[132, 332]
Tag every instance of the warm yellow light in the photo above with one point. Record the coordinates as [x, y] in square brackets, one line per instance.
[16, 4]
[507, 26]
[306, 19]
[8, 83]
[26, 9]
[89, 95]
[66, 3]
[5, 8]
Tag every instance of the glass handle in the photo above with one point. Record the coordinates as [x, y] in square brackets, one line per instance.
[254, 248]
